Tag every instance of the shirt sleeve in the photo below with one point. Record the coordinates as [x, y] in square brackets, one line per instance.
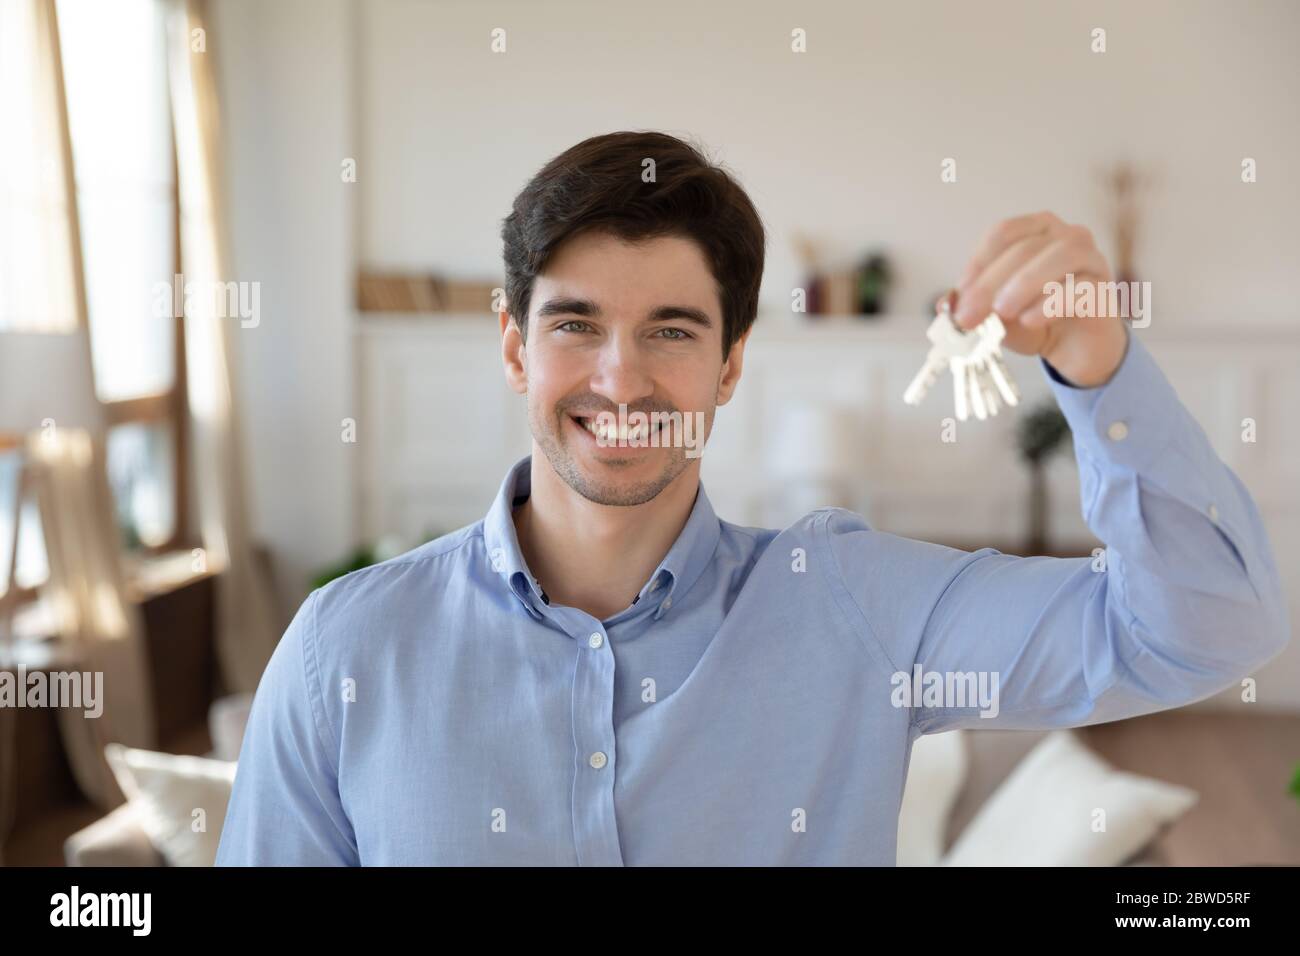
[1184, 600]
[285, 808]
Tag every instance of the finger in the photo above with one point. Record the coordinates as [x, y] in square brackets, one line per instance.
[1020, 338]
[1004, 234]
[948, 299]
[1038, 317]
[1073, 252]
[976, 302]
[1033, 315]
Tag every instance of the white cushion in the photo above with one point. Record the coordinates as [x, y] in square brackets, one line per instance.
[227, 718]
[935, 778]
[165, 790]
[1046, 811]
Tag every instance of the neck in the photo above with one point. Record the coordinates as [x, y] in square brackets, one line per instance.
[597, 557]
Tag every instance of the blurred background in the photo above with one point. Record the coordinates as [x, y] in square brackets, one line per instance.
[248, 258]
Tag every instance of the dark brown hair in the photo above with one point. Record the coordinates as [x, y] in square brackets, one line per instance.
[597, 186]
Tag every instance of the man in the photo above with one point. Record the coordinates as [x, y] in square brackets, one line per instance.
[601, 672]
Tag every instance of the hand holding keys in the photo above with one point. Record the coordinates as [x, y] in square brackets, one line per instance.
[979, 375]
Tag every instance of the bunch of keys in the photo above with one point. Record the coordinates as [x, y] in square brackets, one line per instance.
[979, 375]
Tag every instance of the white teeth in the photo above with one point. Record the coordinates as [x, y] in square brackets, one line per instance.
[610, 432]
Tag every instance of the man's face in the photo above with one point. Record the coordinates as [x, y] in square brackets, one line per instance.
[615, 323]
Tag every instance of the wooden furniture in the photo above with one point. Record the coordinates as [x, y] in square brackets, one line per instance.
[180, 638]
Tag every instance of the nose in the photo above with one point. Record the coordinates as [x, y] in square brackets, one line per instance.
[621, 374]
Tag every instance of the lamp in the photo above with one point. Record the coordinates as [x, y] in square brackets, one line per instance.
[46, 385]
[47, 375]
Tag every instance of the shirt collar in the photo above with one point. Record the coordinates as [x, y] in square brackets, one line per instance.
[676, 573]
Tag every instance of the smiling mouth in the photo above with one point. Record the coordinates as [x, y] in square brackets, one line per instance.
[610, 433]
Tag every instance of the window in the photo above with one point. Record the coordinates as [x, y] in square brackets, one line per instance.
[115, 81]
[119, 119]
[115, 86]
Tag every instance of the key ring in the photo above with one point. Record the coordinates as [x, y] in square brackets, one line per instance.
[945, 305]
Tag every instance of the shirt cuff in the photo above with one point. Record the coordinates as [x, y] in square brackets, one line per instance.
[1060, 379]
[1129, 419]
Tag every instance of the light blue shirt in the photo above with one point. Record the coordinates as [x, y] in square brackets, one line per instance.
[750, 706]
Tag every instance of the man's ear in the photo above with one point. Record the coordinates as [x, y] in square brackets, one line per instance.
[731, 368]
[512, 354]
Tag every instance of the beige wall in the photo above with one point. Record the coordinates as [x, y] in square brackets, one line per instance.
[285, 83]
[845, 141]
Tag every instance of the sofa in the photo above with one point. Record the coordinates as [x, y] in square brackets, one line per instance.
[952, 778]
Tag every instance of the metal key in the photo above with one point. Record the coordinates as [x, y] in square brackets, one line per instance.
[975, 360]
[947, 343]
[990, 375]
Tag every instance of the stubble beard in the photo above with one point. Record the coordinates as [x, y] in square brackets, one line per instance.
[560, 453]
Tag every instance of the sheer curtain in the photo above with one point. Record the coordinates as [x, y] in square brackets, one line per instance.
[92, 612]
[246, 629]
[37, 265]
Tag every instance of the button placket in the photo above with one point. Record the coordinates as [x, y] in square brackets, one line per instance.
[595, 829]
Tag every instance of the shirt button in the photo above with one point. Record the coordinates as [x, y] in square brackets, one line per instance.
[1213, 513]
[597, 760]
[595, 640]
[655, 585]
[668, 602]
[1117, 431]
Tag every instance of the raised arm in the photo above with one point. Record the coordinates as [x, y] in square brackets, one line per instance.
[1188, 598]
[1186, 601]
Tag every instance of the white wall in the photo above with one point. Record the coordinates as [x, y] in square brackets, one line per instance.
[845, 141]
[285, 71]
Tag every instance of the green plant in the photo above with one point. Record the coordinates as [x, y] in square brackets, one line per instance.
[360, 558]
[1040, 432]
[874, 279]
[364, 556]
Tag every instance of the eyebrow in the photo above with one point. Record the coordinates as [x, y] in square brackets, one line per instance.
[571, 305]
